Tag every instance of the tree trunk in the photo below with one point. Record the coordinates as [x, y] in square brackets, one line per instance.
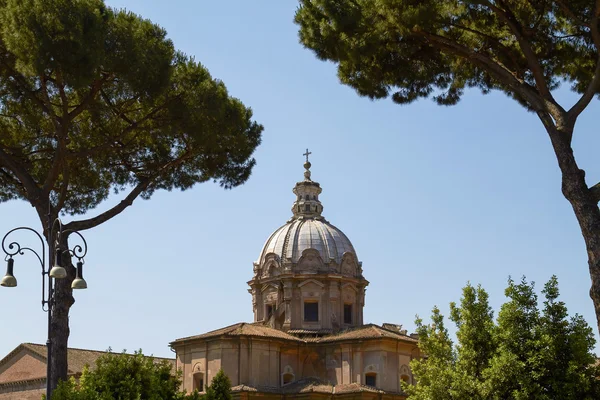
[586, 209]
[63, 300]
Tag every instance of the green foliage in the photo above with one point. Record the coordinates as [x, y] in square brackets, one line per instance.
[220, 387]
[95, 100]
[527, 353]
[125, 377]
[420, 48]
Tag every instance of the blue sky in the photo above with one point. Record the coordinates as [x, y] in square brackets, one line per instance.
[431, 197]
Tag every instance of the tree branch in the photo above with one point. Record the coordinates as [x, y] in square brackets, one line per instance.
[57, 161]
[24, 86]
[128, 200]
[500, 47]
[594, 85]
[62, 195]
[15, 182]
[594, 26]
[530, 56]
[94, 90]
[501, 72]
[116, 210]
[587, 96]
[31, 187]
[48, 104]
[564, 6]
[595, 191]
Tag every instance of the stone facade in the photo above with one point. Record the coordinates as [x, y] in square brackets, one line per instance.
[308, 338]
[262, 359]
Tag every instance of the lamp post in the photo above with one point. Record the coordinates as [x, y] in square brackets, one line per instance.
[56, 270]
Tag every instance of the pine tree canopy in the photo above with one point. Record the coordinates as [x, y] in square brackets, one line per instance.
[411, 49]
[95, 100]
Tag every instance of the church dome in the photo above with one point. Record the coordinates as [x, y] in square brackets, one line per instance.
[307, 230]
[292, 239]
[307, 275]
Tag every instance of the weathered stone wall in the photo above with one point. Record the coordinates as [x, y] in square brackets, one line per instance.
[261, 362]
[244, 360]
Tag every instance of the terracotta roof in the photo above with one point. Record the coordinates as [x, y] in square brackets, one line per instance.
[256, 329]
[76, 358]
[369, 331]
[310, 331]
[310, 385]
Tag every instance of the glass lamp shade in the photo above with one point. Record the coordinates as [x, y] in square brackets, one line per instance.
[79, 282]
[58, 272]
[9, 279]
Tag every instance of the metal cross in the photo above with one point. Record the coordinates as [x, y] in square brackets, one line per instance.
[307, 154]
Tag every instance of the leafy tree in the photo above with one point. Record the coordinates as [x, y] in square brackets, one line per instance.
[95, 101]
[411, 49]
[125, 377]
[474, 320]
[220, 387]
[525, 354]
[435, 375]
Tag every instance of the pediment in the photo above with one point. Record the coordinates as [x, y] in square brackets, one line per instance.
[313, 281]
[271, 286]
[310, 261]
[21, 364]
[349, 286]
[271, 257]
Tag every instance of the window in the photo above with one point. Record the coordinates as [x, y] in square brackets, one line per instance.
[311, 311]
[405, 378]
[371, 379]
[288, 378]
[307, 207]
[199, 381]
[306, 197]
[268, 311]
[347, 313]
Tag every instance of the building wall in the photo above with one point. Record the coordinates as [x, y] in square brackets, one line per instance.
[25, 391]
[259, 362]
[244, 360]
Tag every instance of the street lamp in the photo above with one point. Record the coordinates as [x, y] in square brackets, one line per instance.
[57, 271]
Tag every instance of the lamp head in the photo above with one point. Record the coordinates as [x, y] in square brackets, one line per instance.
[79, 282]
[9, 279]
[57, 271]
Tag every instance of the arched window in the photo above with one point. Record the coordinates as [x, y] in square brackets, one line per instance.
[268, 311]
[287, 379]
[287, 376]
[199, 381]
[405, 373]
[371, 379]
